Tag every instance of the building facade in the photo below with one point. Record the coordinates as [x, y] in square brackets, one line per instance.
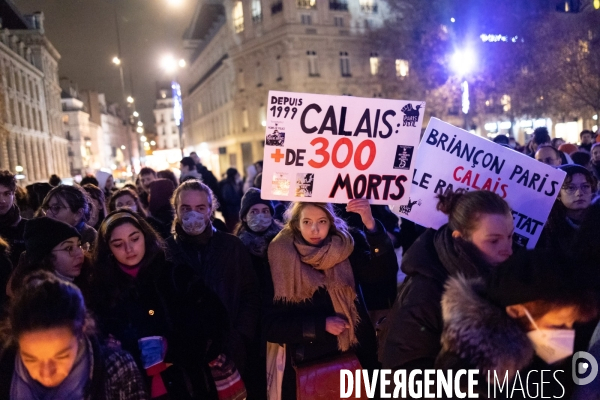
[167, 131]
[32, 141]
[239, 50]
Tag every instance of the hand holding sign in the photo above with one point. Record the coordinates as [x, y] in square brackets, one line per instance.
[362, 208]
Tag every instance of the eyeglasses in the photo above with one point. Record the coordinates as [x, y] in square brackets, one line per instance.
[71, 249]
[55, 208]
[586, 188]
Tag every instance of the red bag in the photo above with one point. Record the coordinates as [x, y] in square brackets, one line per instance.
[320, 380]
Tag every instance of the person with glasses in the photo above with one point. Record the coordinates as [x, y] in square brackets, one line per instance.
[576, 194]
[56, 247]
[72, 205]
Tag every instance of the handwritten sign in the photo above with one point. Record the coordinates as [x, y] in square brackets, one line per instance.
[451, 158]
[332, 149]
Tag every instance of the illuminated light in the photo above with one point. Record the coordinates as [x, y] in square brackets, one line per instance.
[595, 128]
[130, 99]
[139, 129]
[597, 4]
[140, 123]
[123, 147]
[19, 176]
[526, 123]
[595, 117]
[491, 127]
[88, 143]
[143, 138]
[539, 123]
[466, 103]
[493, 38]
[463, 62]
[19, 168]
[153, 143]
[136, 114]
[182, 63]
[168, 63]
[116, 61]
[505, 125]
[452, 20]
[264, 123]
[177, 103]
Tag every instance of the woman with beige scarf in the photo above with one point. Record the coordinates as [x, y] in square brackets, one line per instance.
[317, 265]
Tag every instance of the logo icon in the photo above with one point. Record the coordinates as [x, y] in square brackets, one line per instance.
[403, 157]
[411, 115]
[276, 138]
[408, 208]
[520, 240]
[581, 368]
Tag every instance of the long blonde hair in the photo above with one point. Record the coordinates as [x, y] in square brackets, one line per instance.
[292, 217]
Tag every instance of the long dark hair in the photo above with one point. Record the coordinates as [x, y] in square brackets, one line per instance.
[46, 302]
[75, 197]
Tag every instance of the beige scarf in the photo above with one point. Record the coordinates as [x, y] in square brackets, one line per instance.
[299, 270]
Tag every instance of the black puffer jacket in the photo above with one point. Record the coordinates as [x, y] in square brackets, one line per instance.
[415, 322]
[302, 326]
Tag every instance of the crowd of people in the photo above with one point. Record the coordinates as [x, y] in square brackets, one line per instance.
[143, 292]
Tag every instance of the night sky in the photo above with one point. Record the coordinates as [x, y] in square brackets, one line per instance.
[84, 33]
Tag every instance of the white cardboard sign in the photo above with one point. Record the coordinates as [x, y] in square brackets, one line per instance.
[321, 148]
[451, 158]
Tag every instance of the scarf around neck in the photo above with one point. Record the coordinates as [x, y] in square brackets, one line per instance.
[258, 242]
[23, 386]
[299, 270]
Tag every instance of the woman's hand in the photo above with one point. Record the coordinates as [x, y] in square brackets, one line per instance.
[336, 325]
[363, 208]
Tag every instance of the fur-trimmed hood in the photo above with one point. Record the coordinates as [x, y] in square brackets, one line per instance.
[481, 332]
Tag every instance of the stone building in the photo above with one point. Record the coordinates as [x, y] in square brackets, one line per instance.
[239, 50]
[32, 141]
[167, 131]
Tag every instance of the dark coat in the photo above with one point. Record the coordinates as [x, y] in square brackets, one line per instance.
[6, 268]
[480, 335]
[559, 232]
[114, 374]
[301, 326]
[13, 235]
[415, 322]
[163, 301]
[224, 264]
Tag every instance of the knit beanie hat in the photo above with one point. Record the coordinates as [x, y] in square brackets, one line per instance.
[531, 275]
[251, 198]
[572, 169]
[43, 234]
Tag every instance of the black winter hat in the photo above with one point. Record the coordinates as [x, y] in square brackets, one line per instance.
[252, 197]
[43, 234]
[572, 169]
[532, 275]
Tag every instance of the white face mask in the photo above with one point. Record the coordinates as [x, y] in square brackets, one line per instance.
[259, 222]
[193, 223]
[551, 345]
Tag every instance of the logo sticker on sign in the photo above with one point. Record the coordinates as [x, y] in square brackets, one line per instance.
[333, 149]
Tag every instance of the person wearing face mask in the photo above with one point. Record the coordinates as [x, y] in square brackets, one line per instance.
[576, 194]
[477, 238]
[171, 323]
[50, 350]
[60, 252]
[518, 319]
[126, 198]
[221, 261]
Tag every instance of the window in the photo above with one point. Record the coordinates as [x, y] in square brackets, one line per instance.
[345, 64]
[278, 68]
[163, 94]
[374, 62]
[245, 121]
[258, 75]
[401, 68]
[313, 63]
[240, 80]
[311, 4]
[339, 5]
[175, 130]
[306, 19]
[262, 115]
[256, 11]
[65, 119]
[368, 6]
[238, 17]
[277, 7]
[338, 21]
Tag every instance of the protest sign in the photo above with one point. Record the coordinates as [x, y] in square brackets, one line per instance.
[451, 158]
[332, 149]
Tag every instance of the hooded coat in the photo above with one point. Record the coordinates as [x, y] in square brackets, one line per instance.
[479, 334]
[415, 322]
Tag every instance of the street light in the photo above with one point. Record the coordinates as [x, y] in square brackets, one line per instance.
[182, 63]
[153, 143]
[144, 139]
[463, 62]
[139, 129]
[19, 168]
[175, 2]
[123, 147]
[136, 114]
[130, 99]
[140, 123]
[116, 61]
